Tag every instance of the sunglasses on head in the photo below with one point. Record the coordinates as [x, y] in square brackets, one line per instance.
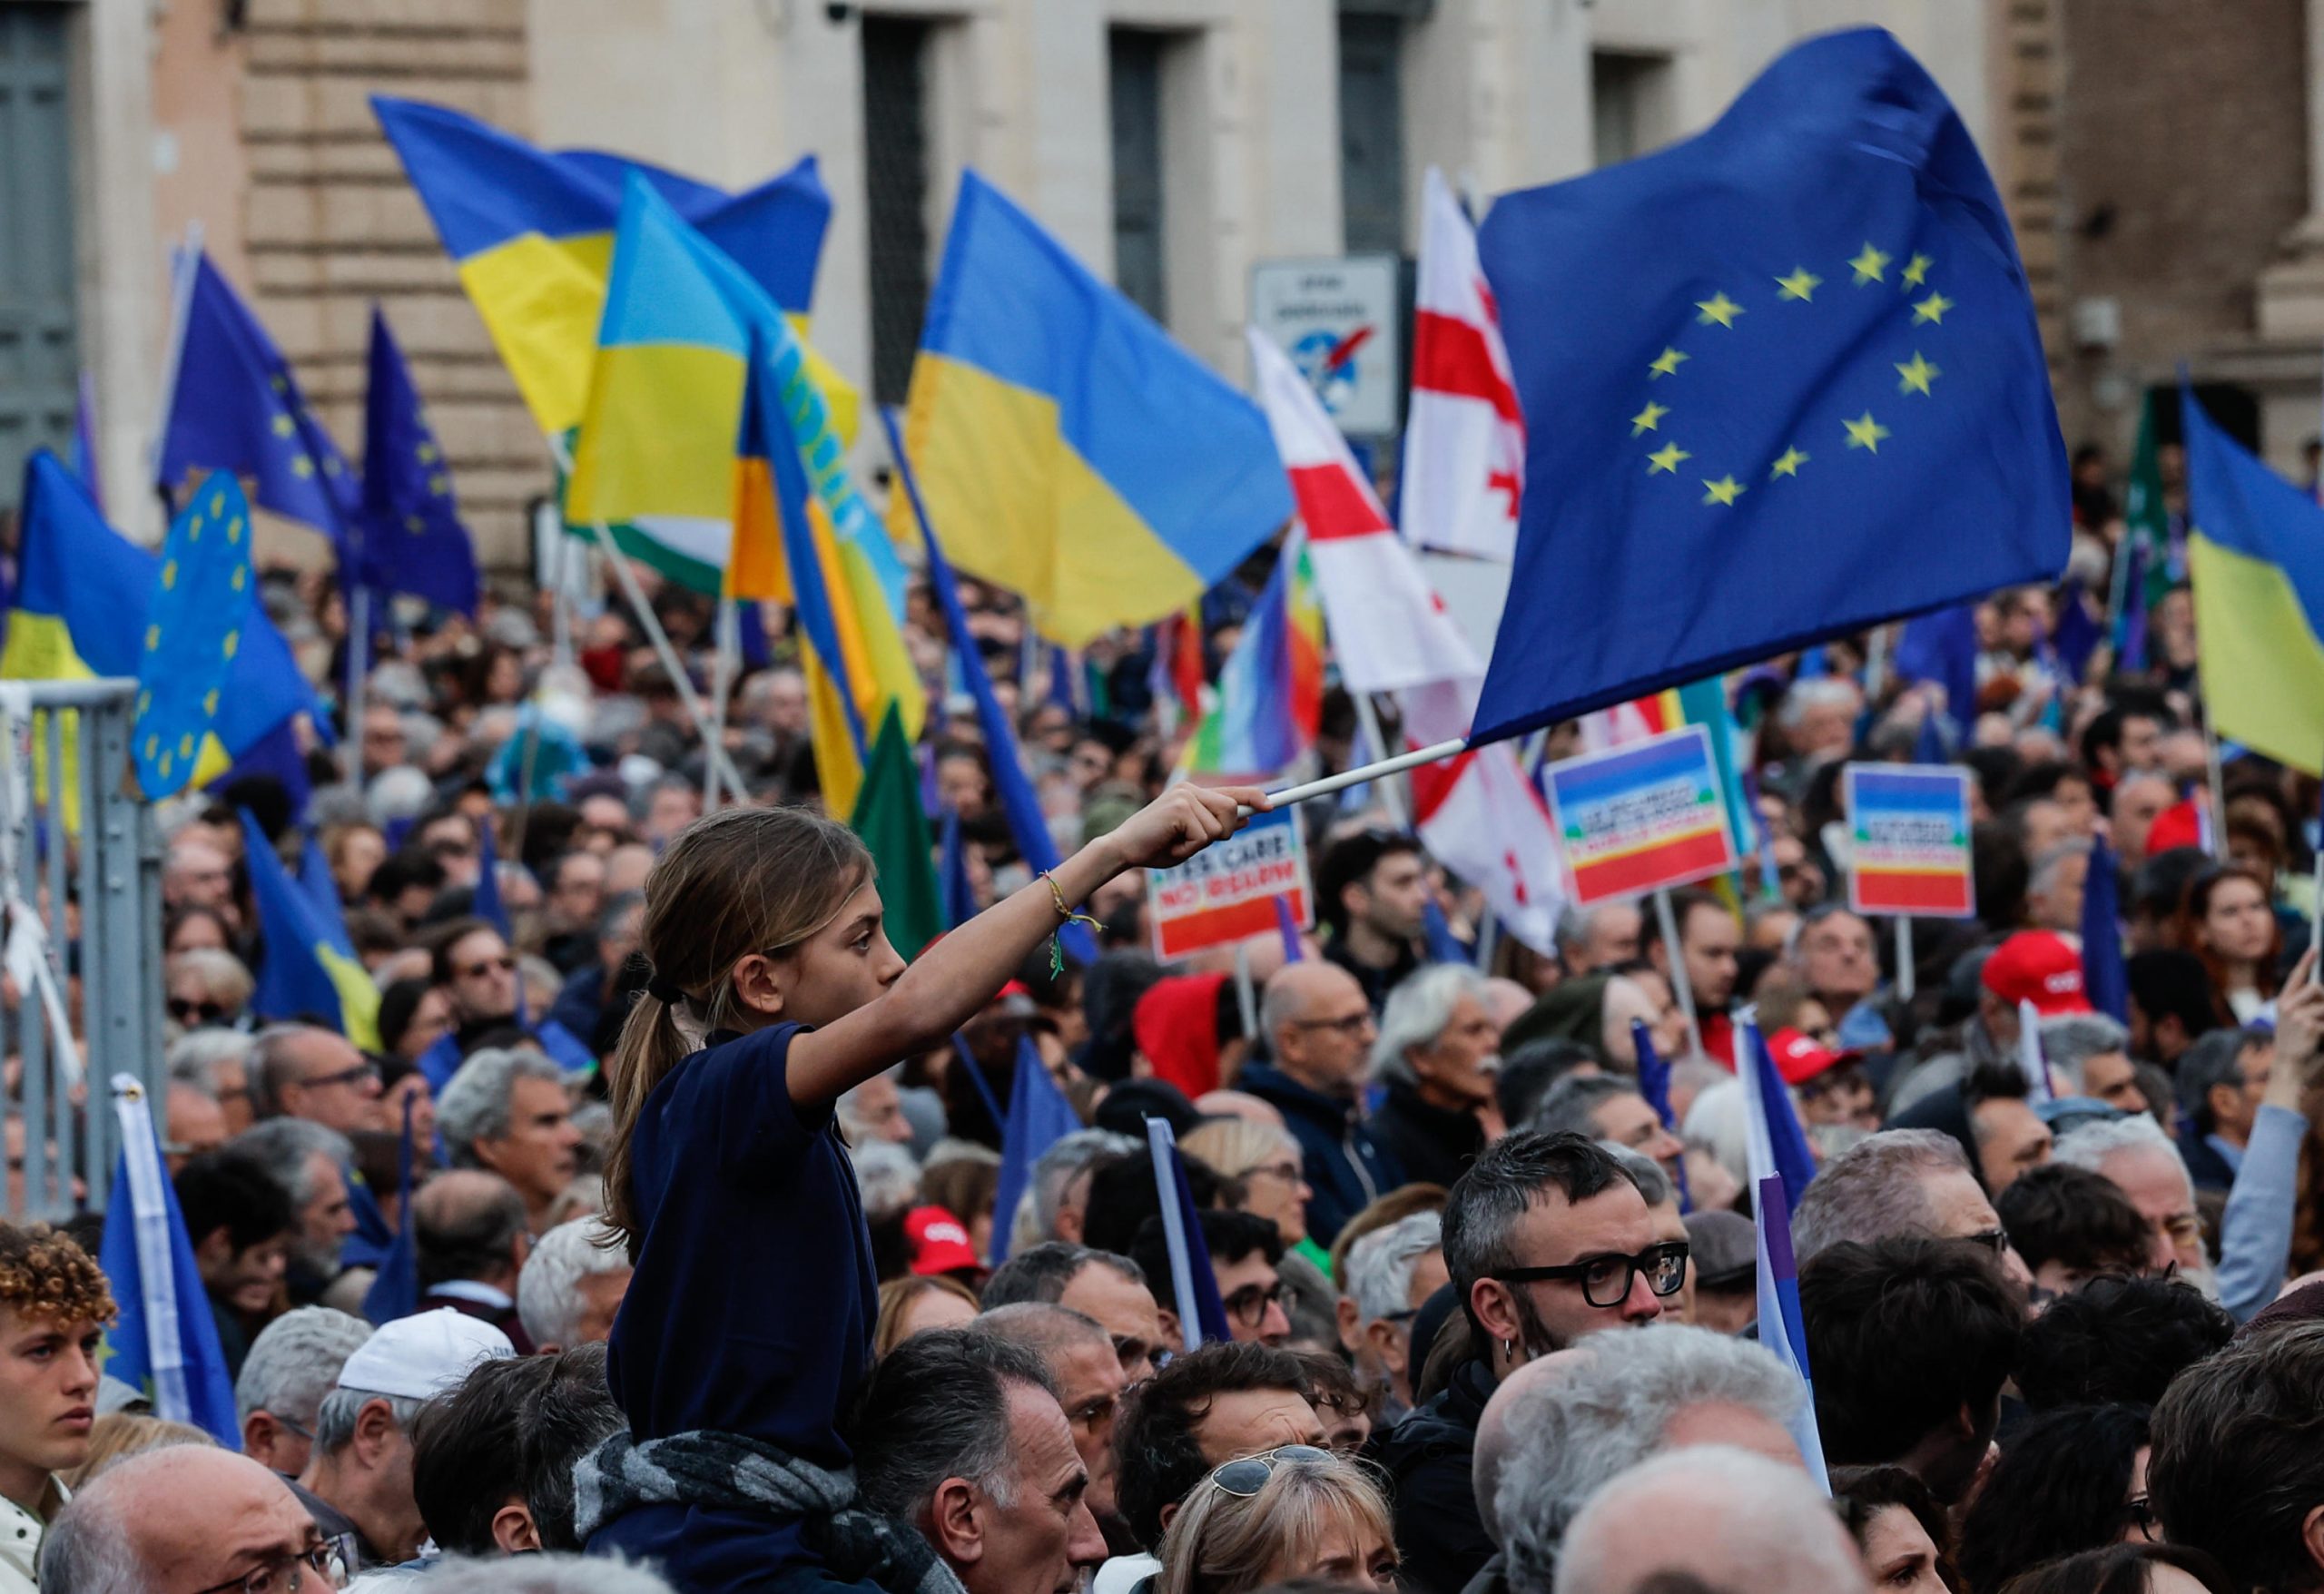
[1246, 1477]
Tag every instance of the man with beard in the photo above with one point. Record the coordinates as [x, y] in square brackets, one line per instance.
[1548, 1241]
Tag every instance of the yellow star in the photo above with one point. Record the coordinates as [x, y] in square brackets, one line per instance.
[1915, 271]
[235, 530]
[303, 468]
[194, 529]
[169, 573]
[279, 384]
[1801, 284]
[1669, 362]
[426, 453]
[414, 525]
[1868, 265]
[1931, 308]
[144, 702]
[1717, 311]
[242, 576]
[233, 642]
[1866, 433]
[152, 638]
[210, 702]
[218, 505]
[153, 745]
[1787, 463]
[1645, 421]
[1666, 457]
[1917, 375]
[438, 483]
[165, 763]
[185, 745]
[283, 425]
[1725, 491]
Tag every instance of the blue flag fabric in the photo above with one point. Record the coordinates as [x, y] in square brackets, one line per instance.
[1654, 1085]
[1772, 1121]
[952, 875]
[1783, 1330]
[237, 408]
[1942, 649]
[1928, 742]
[1038, 1117]
[487, 904]
[309, 969]
[2105, 979]
[316, 880]
[412, 540]
[148, 1260]
[1287, 926]
[1193, 1281]
[395, 1289]
[2078, 632]
[1027, 825]
[1799, 387]
[1436, 935]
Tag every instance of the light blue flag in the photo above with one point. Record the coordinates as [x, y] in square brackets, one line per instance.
[165, 1342]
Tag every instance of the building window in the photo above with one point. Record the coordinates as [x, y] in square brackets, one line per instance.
[1133, 90]
[895, 146]
[37, 356]
[1629, 102]
[1371, 130]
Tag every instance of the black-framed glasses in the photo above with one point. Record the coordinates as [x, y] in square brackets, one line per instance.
[354, 1076]
[1992, 1240]
[1606, 1281]
[506, 964]
[330, 1561]
[1352, 1025]
[1248, 1305]
[1246, 1477]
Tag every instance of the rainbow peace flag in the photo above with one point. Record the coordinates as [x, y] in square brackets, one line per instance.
[1262, 713]
[1065, 446]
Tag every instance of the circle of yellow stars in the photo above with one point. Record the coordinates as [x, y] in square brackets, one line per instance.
[1870, 267]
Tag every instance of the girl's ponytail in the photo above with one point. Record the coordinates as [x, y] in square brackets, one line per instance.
[650, 1046]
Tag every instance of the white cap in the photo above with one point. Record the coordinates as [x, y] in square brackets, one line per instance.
[419, 1358]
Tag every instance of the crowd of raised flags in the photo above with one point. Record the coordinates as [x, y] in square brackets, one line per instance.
[1714, 410]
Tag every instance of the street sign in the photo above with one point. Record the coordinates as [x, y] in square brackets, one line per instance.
[1227, 893]
[1338, 319]
[1641, 817]
[1909, 834]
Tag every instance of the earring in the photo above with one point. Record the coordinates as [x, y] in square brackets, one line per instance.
[1509, 1349]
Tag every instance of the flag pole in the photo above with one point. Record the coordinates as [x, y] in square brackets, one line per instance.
[1668, 922]
[728, 637]
[1906, 981]
[1376, 770]
[1246, 996]
[655, 635]
[358, 673]
[1391, 792]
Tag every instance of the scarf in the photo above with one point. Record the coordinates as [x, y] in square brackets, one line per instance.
[732, 1472]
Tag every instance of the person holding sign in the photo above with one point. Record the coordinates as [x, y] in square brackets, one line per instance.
[773, 991]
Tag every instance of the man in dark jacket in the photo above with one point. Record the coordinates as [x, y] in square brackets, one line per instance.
[1318, 1028]
[1518, 1227]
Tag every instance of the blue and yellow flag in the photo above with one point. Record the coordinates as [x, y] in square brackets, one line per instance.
[532, 233]
[309, 969]
[1066, 447]
[83, 596]
[2255, 551]
[237, 407]
[1789, 383]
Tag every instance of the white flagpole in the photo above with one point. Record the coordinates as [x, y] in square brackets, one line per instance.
[1668, 922]
[182, 271]
[149, 1212]
[727, 635]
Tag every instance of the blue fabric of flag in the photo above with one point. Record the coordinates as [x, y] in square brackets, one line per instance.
[1192, 1275]
[309, 969]
[952, 875]
[1654, 1085]
[237, 407]
[316, 880]
[1782, 1328]
[1294, 950]
[1928, 742]
[1941, 648]
[1038, 1117]
[2078, 633]
[83, 456]
[1799, 384]
[1786, 1140]
[2105, 979]
[412, 540]
[1437, 937]
[208, 1389]
[395, 1289]
[1027, 825]
[487, 904]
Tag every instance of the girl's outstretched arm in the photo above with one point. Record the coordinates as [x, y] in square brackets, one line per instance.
[955, 978]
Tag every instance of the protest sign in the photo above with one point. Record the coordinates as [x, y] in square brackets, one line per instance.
[1642, 817]
[1229, 891]
[1909, 832]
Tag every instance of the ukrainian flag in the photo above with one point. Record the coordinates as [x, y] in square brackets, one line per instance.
[82, 597]
[1065, 446]
[705, 419]
[2255, 552]
[309, 969]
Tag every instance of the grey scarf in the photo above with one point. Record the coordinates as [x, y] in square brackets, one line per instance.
[732, 1472]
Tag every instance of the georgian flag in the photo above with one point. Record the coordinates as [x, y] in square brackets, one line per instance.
[1464, 441]
[1389, 629]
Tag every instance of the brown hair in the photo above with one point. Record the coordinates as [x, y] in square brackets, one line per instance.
[2196, 907]
[1396, 1206]
[1222, 1543]
[44, 1274]
[118, 1436]
[896, 1298]
[739, 882]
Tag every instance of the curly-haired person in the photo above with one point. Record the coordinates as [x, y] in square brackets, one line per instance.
[53, 1309]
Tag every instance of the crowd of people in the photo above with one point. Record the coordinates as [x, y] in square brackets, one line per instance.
[715, 1290]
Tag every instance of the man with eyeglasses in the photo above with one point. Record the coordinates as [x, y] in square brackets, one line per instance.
[305, 1071]
[1244, 1250]
[1548, 1241]
[473, 966]
[189, 1520]
[1319, 1029]
[294, 1364]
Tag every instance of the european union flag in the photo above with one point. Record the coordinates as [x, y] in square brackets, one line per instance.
[413, 541]
[236, 407]
[1786, 382]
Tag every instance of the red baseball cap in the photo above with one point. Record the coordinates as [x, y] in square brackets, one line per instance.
[939, 1242]
[1800, 1056]
[2035, 966]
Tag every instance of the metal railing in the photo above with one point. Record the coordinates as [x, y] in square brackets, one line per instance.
[85, 849]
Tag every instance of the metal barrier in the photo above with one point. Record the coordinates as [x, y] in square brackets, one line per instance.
[85, 846]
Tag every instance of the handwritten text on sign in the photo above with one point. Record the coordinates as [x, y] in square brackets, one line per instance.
[1638, 818]
[1226, 892]
[1908, 840]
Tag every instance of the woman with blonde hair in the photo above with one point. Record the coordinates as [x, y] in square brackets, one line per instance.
[1291, 1513]
[1264, 1161]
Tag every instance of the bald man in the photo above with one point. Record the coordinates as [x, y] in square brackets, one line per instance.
[1497, 1435]
[1319, 1029]
[472, 1241]
[1733, 1520]
[179, 1520]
